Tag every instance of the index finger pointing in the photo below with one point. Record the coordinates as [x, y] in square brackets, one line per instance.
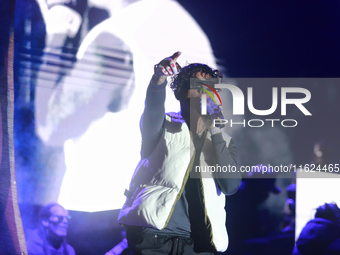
[176, 55]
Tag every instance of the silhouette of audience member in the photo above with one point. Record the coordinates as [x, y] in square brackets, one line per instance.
[323, 153]
[280, 242]
[50, 237]
[289, 209]
[246, 218]
[321, 235]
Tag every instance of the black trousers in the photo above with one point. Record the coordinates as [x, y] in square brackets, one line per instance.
[149, 244]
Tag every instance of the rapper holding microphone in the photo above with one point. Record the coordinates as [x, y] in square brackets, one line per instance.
[172, 207]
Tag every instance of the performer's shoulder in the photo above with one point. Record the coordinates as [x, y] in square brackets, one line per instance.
[174, 117]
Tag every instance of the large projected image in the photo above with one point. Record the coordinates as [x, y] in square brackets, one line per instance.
[88, 102]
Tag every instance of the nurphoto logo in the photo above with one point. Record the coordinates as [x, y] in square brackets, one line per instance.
[238, 99]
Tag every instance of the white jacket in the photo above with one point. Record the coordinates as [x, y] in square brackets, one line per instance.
[159, 180]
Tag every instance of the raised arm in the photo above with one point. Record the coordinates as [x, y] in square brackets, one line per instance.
[154, 111]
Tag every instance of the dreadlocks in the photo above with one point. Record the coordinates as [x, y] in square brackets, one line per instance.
[181, 82]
